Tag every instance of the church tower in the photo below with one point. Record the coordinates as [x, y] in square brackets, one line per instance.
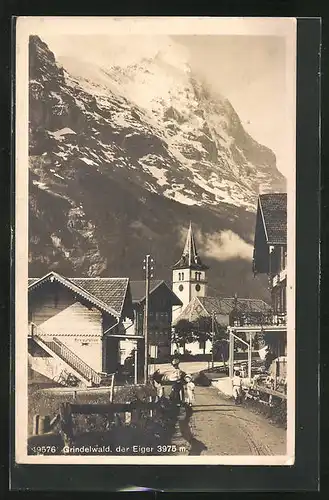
[189, 275]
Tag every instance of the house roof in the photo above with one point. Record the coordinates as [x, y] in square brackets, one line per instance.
[273, 208]
[190, 258]
[138, 291]
[112, 291]
[218, 305]
[107, 293]
[221, 306]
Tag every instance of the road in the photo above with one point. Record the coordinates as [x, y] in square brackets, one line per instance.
[219, 427]
[186, 366]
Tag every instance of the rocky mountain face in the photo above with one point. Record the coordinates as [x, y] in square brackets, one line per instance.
[123, 157]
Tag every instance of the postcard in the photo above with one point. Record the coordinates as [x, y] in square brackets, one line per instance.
[155, 240]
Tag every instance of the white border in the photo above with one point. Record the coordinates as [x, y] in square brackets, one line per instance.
[284, 27]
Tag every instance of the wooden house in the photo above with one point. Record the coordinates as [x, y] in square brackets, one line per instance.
[76, 326]
[161, 302]
[270, 256]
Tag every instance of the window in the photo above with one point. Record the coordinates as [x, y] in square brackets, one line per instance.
[182, 276]
[179, 276]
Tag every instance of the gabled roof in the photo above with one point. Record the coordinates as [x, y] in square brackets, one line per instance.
[109, 294]
[112, 291]
[273, 210]
[138, 291]
[190, 258]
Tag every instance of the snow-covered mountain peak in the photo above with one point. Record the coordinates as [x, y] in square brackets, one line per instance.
[150, 115]
[125, 151]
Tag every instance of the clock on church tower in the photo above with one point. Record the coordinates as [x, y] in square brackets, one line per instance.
[189, 278]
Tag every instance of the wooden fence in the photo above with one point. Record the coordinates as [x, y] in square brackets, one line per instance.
[116, 413]
[264, 395]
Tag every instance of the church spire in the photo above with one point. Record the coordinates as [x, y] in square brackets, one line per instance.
[190, 258]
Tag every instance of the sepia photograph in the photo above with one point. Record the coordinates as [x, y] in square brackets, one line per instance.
[155, 240]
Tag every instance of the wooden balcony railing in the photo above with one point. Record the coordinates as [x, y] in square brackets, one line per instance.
[257, 319]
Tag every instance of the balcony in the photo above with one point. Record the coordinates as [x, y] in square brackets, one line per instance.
[259, 319]
[280, 319]
[278, 278]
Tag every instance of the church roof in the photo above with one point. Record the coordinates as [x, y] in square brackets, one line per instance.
[190, 258]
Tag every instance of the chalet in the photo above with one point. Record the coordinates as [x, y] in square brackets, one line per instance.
[230, 311]
[270, 256]
[161, 302]
[76, 326]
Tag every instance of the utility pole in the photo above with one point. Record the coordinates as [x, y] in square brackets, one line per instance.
[212, 339]
[249, 357]
[231, 353]
[136, 364]
[148, 267]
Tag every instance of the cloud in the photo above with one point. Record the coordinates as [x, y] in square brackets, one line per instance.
[224, 245]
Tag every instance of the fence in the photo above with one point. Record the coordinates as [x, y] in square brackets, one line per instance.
[116, 413]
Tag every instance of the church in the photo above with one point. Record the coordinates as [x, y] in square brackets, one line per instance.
[189, 284]
[189, 280]
[189, 275]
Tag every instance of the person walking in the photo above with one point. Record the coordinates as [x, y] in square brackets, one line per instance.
[177, 378]
[190, 386]
[237, 387]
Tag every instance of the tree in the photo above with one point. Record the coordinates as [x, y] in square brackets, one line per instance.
[202, 330]
[183, 333]
[221, 346]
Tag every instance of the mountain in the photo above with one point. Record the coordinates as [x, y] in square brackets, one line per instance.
[122, 157]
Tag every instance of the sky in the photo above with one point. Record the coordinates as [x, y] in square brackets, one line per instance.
[248, 70]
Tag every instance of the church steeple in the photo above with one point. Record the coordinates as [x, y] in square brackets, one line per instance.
[190, 258]
[189, 278]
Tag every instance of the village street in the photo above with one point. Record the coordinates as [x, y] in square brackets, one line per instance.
[190, 367]
[219, 427]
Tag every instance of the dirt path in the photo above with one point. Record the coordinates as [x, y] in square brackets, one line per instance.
[219, 427]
